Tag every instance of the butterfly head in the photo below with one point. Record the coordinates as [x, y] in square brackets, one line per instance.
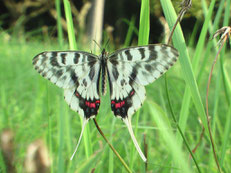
[104, 54]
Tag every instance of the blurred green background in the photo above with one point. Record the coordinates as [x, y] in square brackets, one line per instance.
[39, 131]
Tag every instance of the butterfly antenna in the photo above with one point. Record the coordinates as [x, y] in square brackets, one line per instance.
[127, 121]
[107, 43]
[80, 137]
[97, 44]
[100, 46]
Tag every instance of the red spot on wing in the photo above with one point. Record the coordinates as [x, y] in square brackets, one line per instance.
[92, 104]
[87, 103]
[119, 104]
[77, 94]
[132, 93]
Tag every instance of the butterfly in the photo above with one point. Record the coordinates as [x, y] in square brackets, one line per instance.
[128, 70]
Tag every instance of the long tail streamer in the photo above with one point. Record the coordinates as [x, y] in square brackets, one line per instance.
[80, 137]
[127, 121]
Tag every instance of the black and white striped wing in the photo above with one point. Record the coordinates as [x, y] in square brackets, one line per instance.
[77, 73]
[129, 70]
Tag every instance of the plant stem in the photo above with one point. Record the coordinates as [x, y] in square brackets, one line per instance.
[177, 125]
[110, 145]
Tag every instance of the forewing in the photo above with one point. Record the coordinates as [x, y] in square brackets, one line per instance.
[77, 73]
[64, 68]
[144, 64]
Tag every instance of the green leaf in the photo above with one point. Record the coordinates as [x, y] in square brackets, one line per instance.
[144, 26]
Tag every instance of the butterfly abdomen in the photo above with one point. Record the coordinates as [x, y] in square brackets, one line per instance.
[104, 75]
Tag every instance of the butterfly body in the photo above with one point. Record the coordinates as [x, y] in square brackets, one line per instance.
[127, 70]
[103, 62]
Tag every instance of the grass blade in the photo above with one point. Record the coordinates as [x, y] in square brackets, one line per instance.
[169, 138]
[111, 154]
[225, 142]
[59, 26]
[195, 64]
[227, 86]
[61, 140]
[144, 26]
[186, 66]
[73, 46]
[130, 31]
[70, 27]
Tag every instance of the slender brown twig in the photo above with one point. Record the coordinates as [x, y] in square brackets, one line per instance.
[177, 125]
[185, 6]
[110, 145]
[226, 32]
[198, 144]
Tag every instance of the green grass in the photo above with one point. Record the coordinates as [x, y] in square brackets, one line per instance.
[33, 108]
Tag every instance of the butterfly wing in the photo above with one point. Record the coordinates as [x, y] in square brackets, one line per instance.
[128, 71]
[78, 74]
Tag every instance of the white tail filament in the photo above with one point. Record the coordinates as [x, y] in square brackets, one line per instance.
[80, 137]
[127, 121]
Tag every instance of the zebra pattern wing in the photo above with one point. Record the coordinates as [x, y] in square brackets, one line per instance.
[126, 98]
[129, 70]
[126, 95]
[144, 64]
[77, 73]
